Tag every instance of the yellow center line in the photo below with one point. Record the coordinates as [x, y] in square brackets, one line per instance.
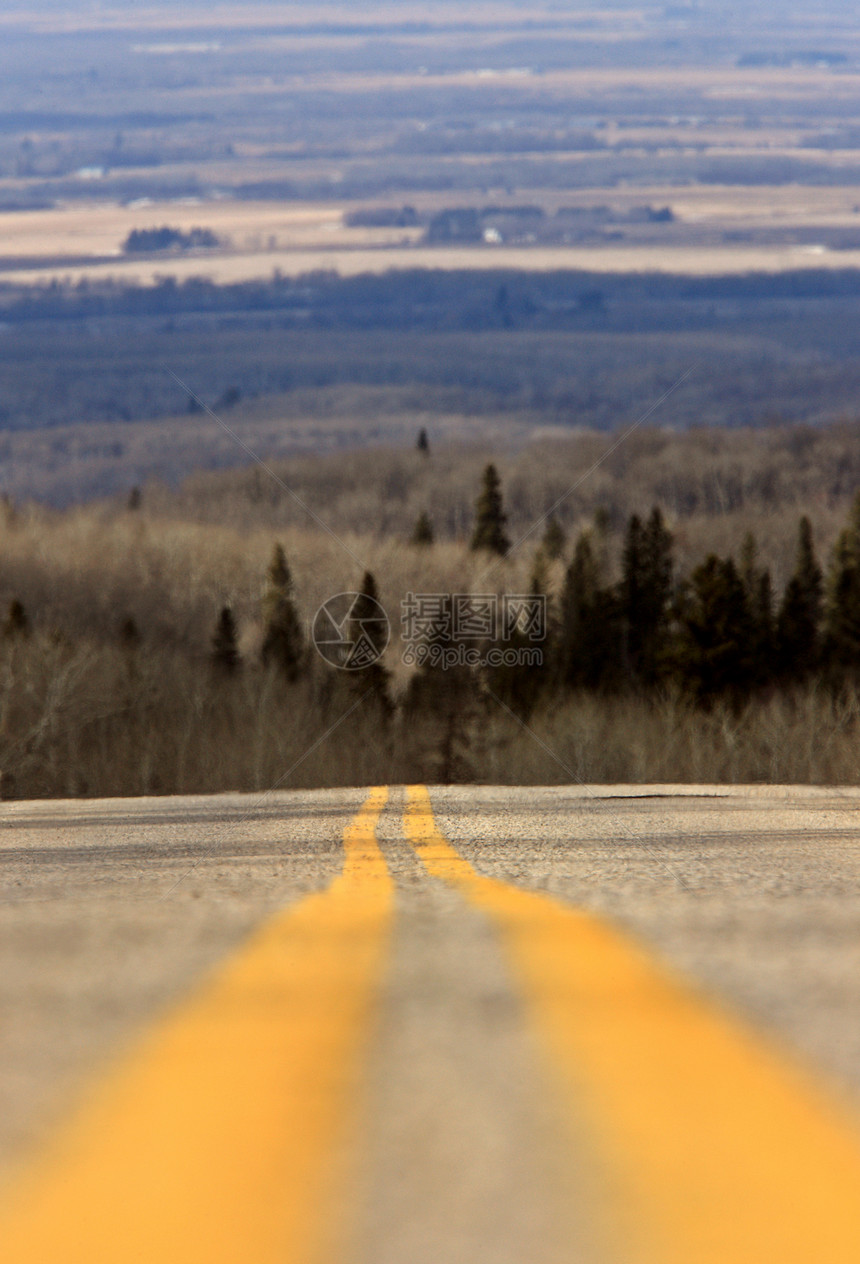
[720, 1150]
[217, 1141]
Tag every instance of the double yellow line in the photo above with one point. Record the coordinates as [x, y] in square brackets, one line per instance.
[218, 1141]
[221, 1139]
[718, 1150]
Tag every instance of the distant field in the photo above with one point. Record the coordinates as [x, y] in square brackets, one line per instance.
[80, 241]
[100, 228]
[266, 122]
[226, 269]
[661, 145]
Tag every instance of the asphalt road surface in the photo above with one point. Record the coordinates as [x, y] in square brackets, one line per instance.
[471, 1025]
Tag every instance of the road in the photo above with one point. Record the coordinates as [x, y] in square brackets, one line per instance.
[463, 1024]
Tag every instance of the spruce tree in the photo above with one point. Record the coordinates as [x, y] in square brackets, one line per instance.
[632, 589]
[490, 517]
[798, 631]
[759, 595]
[519, 684]
[842, 621]
[716, 653]
[645, 593]
[588, 652]
[442, 706]
[422, 535]
[225, 650]
[283, 642]
[369, 637]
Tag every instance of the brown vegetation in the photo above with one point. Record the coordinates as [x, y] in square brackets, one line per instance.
[107, 679]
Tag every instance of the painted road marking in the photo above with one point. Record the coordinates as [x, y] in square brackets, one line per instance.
[721, 1151]
[216, 1142]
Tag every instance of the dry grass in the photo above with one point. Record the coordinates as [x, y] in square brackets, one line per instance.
[230, 269]
[805, 737]
[99, 228]
[92, 719]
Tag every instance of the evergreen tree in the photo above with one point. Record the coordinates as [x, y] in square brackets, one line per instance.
[588, 653]
[539, 581]
[554, 540]
[632, 586]
[225, 650]
[283, 642]
[645, 593]
[842, 621]
[519, 684]
[764, 629]
[658, 558]
[423, 533]
[759, 596]
[369, 635]
[442, 706]
[423, 443]
[490, 517]
[798, 631]
[716, 653]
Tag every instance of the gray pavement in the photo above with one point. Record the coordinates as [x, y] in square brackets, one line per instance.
[753, 893]
[110, 911]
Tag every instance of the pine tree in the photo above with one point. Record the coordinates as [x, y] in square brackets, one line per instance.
[842, 620]
[366, 618]
[283, 642]
[798, 631]
[490, 517]
[423, 534]
[369, 636]
[716, 654]
[225, 651]
[759, 596]
[519, 684]
[632, 589]
[764, 629]
[554, 540]
[645, 594]
[588, 652]
[442, 707]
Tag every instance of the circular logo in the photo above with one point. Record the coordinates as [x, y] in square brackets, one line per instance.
[351, 631]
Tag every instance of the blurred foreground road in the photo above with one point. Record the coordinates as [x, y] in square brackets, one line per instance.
[469, 1025]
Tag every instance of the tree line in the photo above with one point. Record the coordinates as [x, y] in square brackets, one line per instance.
[717, 634]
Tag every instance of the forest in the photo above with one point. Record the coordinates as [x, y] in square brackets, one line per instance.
[148, 647]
